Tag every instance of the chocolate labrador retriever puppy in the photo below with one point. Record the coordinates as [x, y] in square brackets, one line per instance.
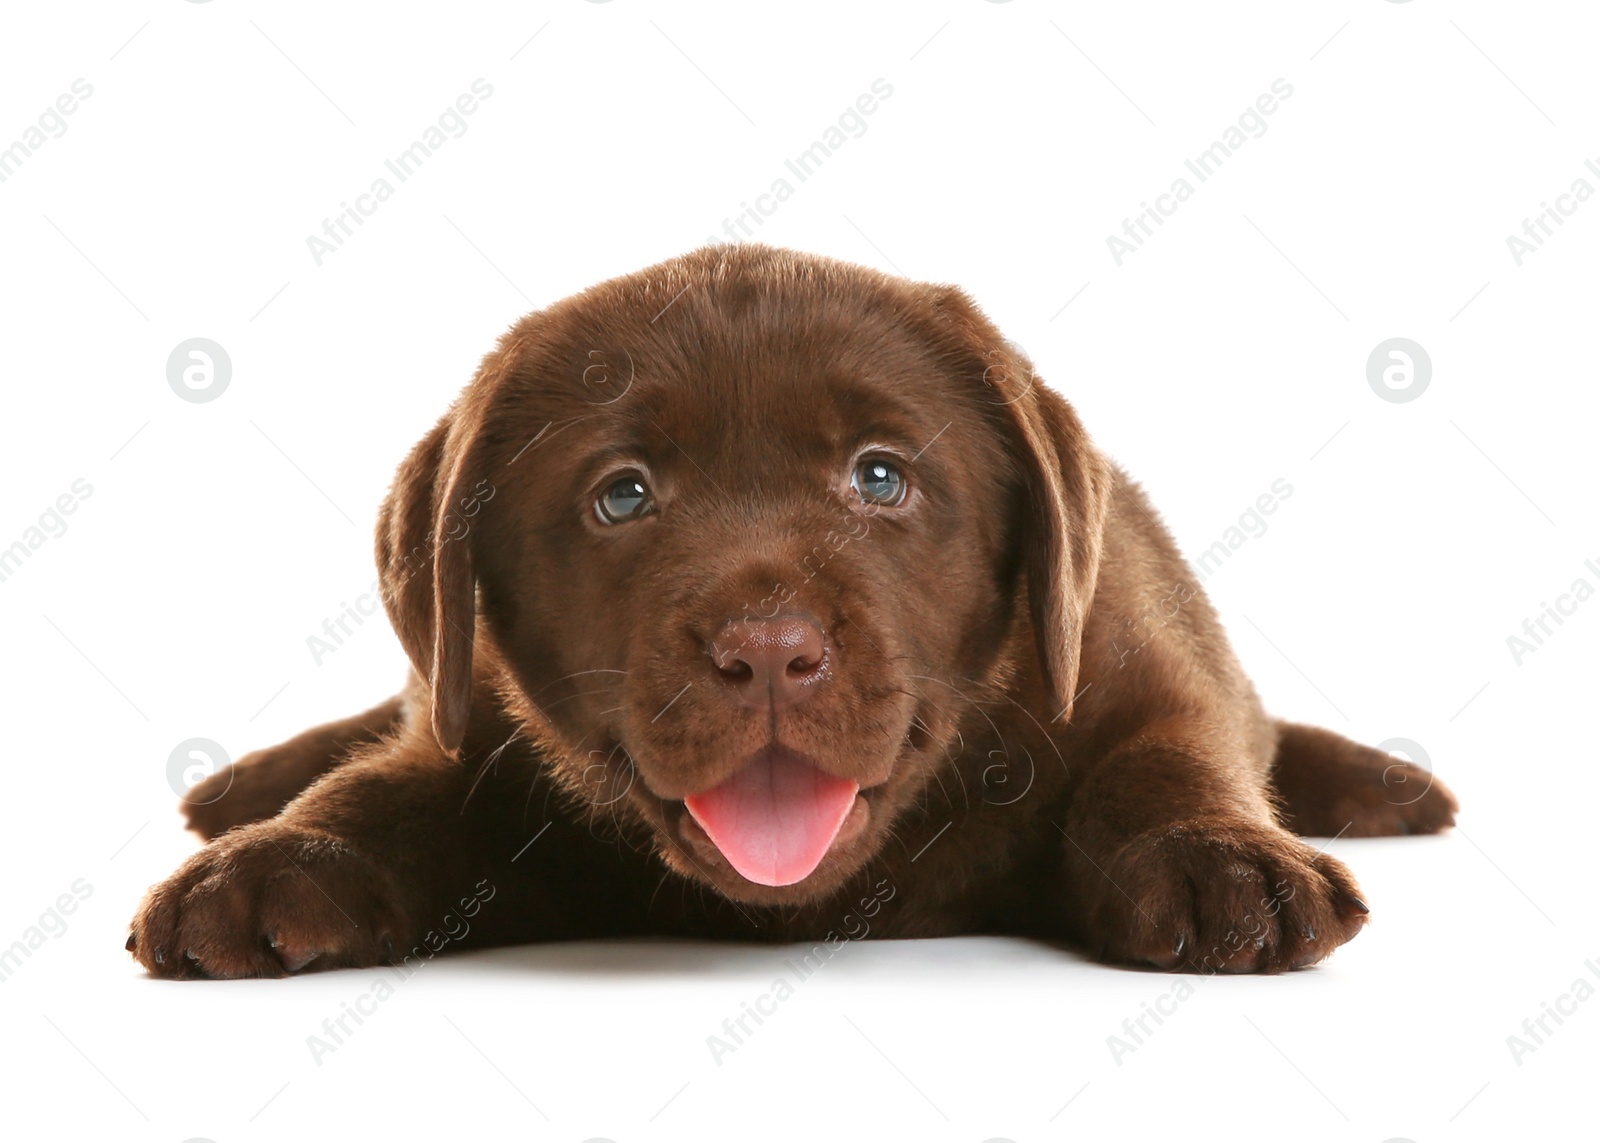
[761, 596]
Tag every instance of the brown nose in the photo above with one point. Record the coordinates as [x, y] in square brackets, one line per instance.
[770, 662]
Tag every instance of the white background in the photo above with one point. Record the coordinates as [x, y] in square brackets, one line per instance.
[1230, 351]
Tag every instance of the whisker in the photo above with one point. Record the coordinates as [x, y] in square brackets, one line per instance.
[651, 903]
[569, 698]
[491, 760]
[574, 675]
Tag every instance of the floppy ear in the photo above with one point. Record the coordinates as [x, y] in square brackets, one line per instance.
[425, 566]
[1068, 486]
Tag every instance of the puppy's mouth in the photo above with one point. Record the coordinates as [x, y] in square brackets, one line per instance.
[777, 817]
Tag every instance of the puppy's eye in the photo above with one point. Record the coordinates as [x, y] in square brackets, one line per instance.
[624, 499]
[879, 482]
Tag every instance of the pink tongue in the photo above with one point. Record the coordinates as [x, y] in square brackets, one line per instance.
[775, 819]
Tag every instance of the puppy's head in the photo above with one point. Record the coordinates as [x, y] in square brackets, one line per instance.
[738, 538]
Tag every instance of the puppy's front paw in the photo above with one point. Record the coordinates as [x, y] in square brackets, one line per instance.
[1220, 897]
[267, 900]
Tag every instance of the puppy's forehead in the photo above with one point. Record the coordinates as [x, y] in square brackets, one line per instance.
[800, 401]
[775, 375]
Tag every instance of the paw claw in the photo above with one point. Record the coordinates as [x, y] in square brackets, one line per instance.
[1198, 912]
[297, 961]
[1353, 904]
[232, 911]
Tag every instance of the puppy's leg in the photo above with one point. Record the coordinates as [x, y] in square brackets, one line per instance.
[1329, 786]
[264, 781]
[350, 873]
[1178, 861]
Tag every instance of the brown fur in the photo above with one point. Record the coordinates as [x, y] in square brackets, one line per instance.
[1050, 730]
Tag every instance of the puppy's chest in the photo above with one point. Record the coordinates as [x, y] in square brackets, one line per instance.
[982, 868]
[981, 850]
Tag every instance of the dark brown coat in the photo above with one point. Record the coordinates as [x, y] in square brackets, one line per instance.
[1050, 732]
